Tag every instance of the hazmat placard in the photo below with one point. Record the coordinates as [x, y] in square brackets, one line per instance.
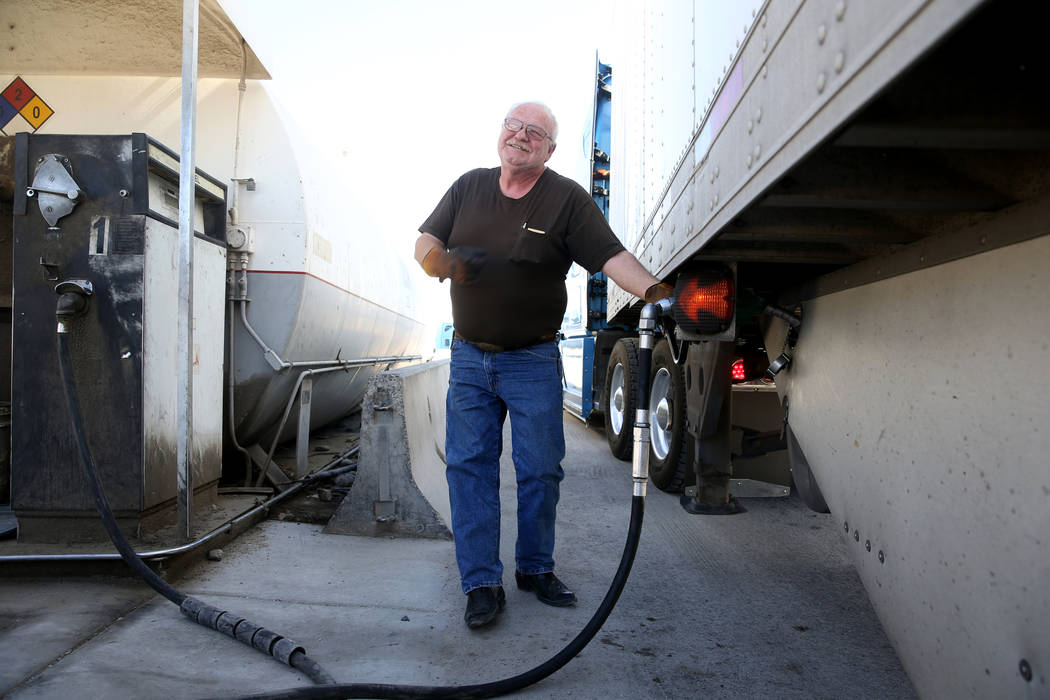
[20, 107]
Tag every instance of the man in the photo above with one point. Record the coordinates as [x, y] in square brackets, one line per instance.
[507, 236]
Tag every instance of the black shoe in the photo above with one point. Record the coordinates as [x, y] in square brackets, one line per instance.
[483, 604]
[547, 587]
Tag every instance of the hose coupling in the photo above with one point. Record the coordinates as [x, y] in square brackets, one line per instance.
[72, 300]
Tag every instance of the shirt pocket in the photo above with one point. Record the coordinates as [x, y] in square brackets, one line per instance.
[531, 245]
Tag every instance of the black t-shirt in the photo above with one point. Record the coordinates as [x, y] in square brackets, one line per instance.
[531, 242]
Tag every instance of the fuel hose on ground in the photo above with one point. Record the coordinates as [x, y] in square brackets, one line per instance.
[266, 641]
[639, 475]
[294, 655]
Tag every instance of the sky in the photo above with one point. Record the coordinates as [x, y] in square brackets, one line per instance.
[412, 92]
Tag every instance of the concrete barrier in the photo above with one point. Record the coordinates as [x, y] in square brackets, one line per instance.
[400, 488]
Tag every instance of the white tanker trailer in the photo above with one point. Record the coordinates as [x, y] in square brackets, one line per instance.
[298, 299]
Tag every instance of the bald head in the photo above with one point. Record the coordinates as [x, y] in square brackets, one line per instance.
[553, 130]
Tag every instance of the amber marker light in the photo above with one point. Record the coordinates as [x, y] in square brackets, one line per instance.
[705, 300]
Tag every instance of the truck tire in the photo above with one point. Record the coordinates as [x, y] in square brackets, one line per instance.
[802, 476]
[668, 456]
[620, 397]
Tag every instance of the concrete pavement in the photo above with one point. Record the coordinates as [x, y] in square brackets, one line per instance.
[763, 604]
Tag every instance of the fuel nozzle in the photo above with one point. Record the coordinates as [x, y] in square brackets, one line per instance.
[72, 300]
[651, 314]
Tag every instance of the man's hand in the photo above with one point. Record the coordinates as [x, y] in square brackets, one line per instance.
[462, 265]
[657, 292]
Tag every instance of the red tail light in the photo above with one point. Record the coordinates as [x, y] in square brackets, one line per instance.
[705, 300]
[739, 374]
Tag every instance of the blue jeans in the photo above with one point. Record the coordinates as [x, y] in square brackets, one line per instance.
[484, 387]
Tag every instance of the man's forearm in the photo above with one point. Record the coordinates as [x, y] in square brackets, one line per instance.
[625, 270]
[424, 244]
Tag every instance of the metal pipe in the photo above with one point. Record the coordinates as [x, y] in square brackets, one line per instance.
[278, 363]
[187, 200]
[226, 527]
[230, 375]
[272, 357]
[284, 417]
[242, 87]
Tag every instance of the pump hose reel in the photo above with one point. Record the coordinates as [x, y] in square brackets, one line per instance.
[293, 654]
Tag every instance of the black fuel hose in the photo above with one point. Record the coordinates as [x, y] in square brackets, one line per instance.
[494, 688]
[509, 685]
[264, 640]
[294, 655]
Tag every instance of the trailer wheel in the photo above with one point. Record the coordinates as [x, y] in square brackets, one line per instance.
[802, 476]
[620, 397]
[668, 458]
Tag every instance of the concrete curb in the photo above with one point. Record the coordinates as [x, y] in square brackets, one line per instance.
[400, 488]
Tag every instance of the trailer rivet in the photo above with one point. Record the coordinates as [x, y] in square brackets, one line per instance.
[840, 10]
[758, 115]
[758, 151]
[1026, 670]
[749, 160]
[840, 61]
[822, 80]
[984, 239]
[882, 557]
[765, 69]
[750, 126]
[763, 19]
[822, 34]
[856, 535]
[867, 545]
[922, 258]
[846, 525]
[765, 44]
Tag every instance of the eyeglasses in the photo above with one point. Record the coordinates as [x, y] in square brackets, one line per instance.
[531, 130]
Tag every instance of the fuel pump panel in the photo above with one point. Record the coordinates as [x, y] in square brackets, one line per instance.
[100, 212]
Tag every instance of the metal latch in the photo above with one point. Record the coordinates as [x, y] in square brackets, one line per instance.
[54, 187]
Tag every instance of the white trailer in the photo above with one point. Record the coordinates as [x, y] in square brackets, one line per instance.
[873, 175]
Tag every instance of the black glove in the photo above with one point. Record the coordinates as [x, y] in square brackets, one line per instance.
[462, 264]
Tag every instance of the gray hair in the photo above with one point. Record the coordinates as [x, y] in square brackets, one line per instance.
[545, 108]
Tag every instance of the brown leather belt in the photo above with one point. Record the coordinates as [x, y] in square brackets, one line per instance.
[491, 347]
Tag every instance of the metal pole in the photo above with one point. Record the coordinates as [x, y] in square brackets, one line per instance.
[302, 436]
[187, 199]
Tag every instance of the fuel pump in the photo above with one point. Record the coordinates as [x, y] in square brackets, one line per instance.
[94, 217]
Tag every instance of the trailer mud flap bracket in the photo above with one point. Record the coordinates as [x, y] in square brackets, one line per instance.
[709, 422]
